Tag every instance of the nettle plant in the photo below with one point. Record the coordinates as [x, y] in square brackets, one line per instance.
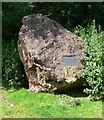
[93, 70]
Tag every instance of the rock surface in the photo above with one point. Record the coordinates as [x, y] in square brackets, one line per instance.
[42, 45]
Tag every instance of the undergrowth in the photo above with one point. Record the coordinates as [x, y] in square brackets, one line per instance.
[94, 58]
[13, 74]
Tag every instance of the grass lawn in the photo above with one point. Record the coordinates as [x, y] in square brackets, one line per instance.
[45, 105]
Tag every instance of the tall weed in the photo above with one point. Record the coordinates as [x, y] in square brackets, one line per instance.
[94, 58]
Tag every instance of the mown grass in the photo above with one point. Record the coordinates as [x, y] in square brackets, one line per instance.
[44, 105]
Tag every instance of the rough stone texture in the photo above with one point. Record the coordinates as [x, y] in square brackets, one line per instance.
[42, 44]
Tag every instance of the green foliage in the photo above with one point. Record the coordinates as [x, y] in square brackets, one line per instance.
[94, 58]
[44, 105]
[13, 72]
[12, 14]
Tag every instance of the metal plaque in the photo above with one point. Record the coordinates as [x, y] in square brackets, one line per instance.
[70, 61]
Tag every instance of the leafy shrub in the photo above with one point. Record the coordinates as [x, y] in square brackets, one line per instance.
[12, 68]
[12, 71]
[94, 58]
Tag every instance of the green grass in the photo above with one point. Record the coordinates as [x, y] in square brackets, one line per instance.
[45, 105]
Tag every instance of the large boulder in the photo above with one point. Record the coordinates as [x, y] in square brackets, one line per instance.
[42, 45]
